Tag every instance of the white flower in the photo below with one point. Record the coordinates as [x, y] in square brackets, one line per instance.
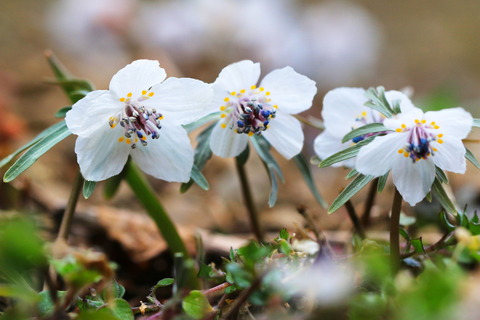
[418, 144]
[247, 109]
[344, 110]
[140, 116]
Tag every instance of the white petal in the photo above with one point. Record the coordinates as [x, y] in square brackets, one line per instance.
[181, 100]
[226, 143]
[377, 157]
[405, 102]
[238, 76]
[137, 76]
[92, 113]
[291, 91]
[450, 155]
[101, 156]
[413, 180]
[408, 118]
[285, 134]
[169, 157]
[455, 122]
[341, 106]
[327, 144]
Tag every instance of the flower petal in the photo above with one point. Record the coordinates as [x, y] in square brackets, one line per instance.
[238, 76]
[408, 118]
[225, 142]
[92, 113]
[169, 157]
[450, 155]
[285, 134]
[291, 91]
[137, 76]
[326, 144]
[413, 179]
[101, 156]
[341, 106]
[377, 157]
[181, 100]
[455, 121]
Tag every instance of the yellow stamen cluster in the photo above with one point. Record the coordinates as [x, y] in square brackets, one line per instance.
[145, 95]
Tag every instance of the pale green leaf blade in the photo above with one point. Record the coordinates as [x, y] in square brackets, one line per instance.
[306, 172]
[345, 154]
[366, 129]
[471, 157]
[356, 185]
[443, 198]
[88, 187]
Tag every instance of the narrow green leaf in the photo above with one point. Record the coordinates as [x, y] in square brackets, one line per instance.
[396, 106]
[378, 101]
[444, 219]
[110, 187]
[272, 198]
[243, 157]
[442, 197]
[62, 112]
[366, 129]
[351, 174]
[382, 181]
[476, 123]
[345, 154]
[39, 137]
[356, 185]
[471, 157]
[198, 177]
[35, 152]
[306, 172]
[196, 305]
[200, 122]
[428, 197]
[404, 234]
[165, 282]
[88, 187]
[418, 245]
[441, 175]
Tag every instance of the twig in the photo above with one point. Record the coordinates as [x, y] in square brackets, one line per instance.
[440, 244]
[242, 298]
[217, 289]
[354, 218]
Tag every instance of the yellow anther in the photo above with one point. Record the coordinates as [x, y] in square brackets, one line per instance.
[150, 94]
[250, 134]
[121, 139]
[226, 99]
[432, 123]
[417, 121]
[223, 115]
[275, 107]
[113, 125]
[233, 93]
[144, 138]
[364, 113]
[122, 99]
[144, 92]
[222, 108]
[440, 135]
[253, 87]
[398, 130]
[440, 141]
[406, 154]
[424, 121]
[128, 141]
[435, 149]
[136, 140]
[403, 125]
[267, 93]
[242, 91]
[436, 127]
[268, 100]
[161, 117]
[261, 89]
[400, 151]
[129, 94]
[223, 125]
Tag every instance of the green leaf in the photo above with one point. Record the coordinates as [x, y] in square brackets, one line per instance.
[61, 113]
[110, 187]
[243, 157]
[198, 177]
[441, 175]
[418, 245]
[200, 122]
[36, 151]
[366, 129]
[351, 174]
[356, 185]
[165, 282]
[306, 172]
[35, 140]
[88, 187]
[382, 181]
[196, 305]
[378, 101]
[404, 234]
[476, 123]
[101, 314]
[284, 234]
[444, 219]
[446, 203]
[471, 157]
[45, 305]
[122, 310]
[345, 154]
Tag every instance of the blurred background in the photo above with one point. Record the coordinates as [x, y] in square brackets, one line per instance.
[429, 50]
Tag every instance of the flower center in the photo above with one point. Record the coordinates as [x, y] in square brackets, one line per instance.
[248, 111]
[418, 145]
[138, 121]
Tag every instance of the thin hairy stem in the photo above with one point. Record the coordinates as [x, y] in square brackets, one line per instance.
[354, 218]
[395, 232]
[67, 219]
[372, 192]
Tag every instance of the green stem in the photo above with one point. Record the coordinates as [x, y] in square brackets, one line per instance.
[67, 219]
[146, 195]
[354, 218]
[395, 232]
[372, 192]
[247, 197]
